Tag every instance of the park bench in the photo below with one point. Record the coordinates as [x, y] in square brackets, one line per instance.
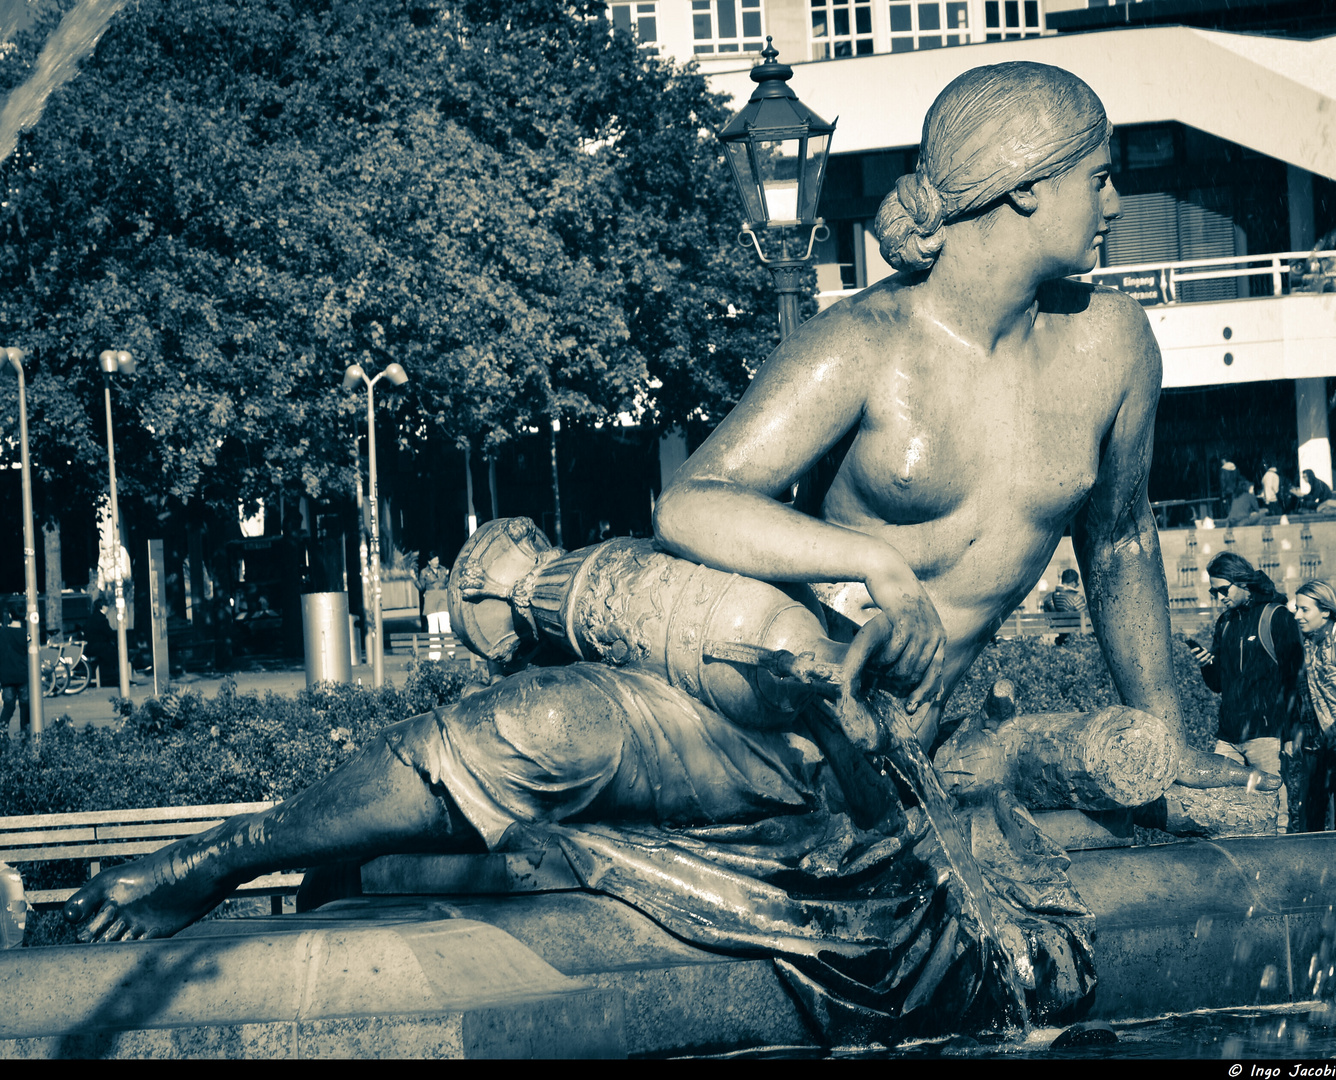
[91, 836]
[1028, 623]
[1188, 620]
[433, 647]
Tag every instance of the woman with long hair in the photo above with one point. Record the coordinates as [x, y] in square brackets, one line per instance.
[1314, 747]
[1254, 666]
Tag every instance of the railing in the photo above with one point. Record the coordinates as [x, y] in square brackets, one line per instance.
[1161, 282]
[1277, 274]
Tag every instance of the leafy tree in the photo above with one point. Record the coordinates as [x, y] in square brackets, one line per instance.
[529, 214]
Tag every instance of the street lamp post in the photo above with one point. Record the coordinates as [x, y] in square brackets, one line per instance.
[777, 148]
[15, 358]
[398, 377]
[113, 362]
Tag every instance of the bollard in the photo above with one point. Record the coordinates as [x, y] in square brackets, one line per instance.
[326, 639]
[13, 908]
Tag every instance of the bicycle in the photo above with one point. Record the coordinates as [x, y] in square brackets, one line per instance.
[64, 668]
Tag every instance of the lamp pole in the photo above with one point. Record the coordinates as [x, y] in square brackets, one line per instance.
[112, 362]
[397, 377]
[777, 148]
[15, 358]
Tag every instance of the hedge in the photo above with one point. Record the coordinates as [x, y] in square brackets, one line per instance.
[183, 749]
[1073, 677]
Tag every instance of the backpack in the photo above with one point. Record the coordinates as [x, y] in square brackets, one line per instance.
[1264, 631]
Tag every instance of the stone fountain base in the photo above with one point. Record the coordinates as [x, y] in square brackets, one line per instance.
[479, 956]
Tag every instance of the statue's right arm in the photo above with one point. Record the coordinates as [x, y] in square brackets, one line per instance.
[722, 508]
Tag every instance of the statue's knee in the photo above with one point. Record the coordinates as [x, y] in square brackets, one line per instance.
[558, 718]
[411, 741]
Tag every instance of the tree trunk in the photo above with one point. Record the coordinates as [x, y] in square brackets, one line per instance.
[55, 583]
[556, 489]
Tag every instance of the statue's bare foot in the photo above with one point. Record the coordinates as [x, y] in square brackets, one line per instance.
[1197, 769]
[152, 897]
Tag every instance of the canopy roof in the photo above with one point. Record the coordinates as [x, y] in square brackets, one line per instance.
[1273, 95]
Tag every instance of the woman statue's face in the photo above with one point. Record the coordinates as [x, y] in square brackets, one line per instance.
[1311, 618]
[1074, 212]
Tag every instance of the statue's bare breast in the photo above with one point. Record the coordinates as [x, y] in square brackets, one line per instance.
[971, 464]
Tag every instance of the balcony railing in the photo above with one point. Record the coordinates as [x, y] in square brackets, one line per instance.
[1159, 283]
[1265, 275]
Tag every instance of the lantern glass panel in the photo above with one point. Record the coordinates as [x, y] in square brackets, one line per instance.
[777, 165]
[740, 158]
[814, 166]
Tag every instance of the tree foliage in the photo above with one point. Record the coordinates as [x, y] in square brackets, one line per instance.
[524, 210]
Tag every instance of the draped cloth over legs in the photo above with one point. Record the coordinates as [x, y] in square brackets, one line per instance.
[746, 842]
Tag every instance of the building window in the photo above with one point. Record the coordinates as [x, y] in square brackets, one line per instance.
[841, 28]
[929, 25]
[1012, 19]
[642, 19]
[1149, 147]
[727, 26]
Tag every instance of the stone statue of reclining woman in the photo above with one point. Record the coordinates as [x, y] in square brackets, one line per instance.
[953, 420]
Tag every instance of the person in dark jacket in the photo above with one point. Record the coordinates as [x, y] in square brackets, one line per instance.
[1319, 492]
[1258, 687]
[100, 644]
[13, 670]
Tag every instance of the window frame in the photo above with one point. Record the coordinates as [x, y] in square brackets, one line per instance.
[826, 46]
[917, 34]
[635, 12]
[717, 44]
[1003, 29]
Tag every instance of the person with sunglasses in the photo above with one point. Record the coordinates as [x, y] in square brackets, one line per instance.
[1254, 666]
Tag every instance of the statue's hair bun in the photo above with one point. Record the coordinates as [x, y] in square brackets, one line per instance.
[909, 225]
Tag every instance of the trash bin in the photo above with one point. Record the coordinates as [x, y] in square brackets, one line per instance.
[326, 639]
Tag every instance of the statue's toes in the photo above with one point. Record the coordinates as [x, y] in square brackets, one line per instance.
[1263, 781]
[114, 931]
[80, 906]
[100, 919]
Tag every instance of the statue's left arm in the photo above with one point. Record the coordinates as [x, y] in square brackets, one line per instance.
[1118, 547]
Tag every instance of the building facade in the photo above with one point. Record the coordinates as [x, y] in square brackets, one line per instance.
[714, 32]
[1224, 154]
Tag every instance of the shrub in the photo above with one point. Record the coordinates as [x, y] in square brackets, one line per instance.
[1073, 677]
[185, 750]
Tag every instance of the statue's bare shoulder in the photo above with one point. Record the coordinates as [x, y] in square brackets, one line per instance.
[1106, 325]
[807, 395]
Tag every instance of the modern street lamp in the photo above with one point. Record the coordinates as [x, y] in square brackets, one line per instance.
[15, 358]
[112, 362]
[777, 148]
[398, 377]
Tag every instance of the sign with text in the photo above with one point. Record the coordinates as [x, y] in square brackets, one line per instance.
[1144, 286]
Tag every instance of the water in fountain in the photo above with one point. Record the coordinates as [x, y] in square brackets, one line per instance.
[907, 758]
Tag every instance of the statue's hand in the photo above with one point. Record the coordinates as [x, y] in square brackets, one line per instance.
[1197, 769]
[904, 648]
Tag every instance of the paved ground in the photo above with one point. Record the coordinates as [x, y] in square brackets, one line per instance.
[94, 705]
